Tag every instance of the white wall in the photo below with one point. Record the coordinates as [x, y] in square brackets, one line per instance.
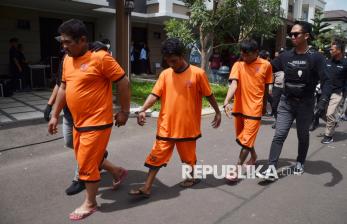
[106, 28]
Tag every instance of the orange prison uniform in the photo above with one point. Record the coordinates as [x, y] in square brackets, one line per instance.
[180, 114]
[89, 97]
[248, 98]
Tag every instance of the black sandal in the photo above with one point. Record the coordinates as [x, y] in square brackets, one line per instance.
[139, 192]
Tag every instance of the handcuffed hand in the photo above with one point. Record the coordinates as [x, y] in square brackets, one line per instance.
[228, 109]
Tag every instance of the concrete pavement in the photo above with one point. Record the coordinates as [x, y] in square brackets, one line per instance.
[35, 170]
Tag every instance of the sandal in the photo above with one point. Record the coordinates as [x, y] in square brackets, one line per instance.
[139, 192]
[117, 182]
[189, 182]
[75, 216]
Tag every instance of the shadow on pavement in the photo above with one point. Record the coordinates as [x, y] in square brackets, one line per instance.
[286, 166]
[120, 200]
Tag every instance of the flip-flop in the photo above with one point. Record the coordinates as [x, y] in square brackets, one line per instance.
[74, 216]
[117, 182]
[193, 181]
[139, 192]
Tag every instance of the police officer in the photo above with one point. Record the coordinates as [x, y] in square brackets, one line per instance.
[303, 68]
[337, 70]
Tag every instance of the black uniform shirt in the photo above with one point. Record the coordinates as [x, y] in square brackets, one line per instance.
[337, 73]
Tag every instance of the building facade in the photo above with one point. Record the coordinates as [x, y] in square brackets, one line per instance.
[296, 10]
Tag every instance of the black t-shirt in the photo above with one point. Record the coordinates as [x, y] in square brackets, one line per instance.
[313, 64]
[13, 54]
[337, 73]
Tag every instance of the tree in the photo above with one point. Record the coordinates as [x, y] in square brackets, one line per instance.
[232, 20]
[319, 29]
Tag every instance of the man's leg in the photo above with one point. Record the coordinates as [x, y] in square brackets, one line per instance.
[276, 96]
[118, 173]
[76, 185]
[334, 103]
[152, 173]
[90, 149]
[187, 153]
[285, 118]
[303, 118]
[159, 157]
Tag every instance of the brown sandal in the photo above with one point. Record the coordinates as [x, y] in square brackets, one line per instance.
[187, 183]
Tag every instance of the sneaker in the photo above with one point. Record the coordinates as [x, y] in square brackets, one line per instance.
[298, 169]
[267, 175]
[327, 139]
[75, 188]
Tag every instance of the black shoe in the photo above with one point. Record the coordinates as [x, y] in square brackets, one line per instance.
[75, 188]
[327, 140]
[273, 126]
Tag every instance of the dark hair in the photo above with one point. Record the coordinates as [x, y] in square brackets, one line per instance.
[173, 46]
[248, 45]
[306, 27]
[264, 54]
[13, 40]
[340, 44]
[105, 41]
[74, 28]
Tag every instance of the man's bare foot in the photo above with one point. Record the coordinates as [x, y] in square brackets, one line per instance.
[83, 211]
[118, 177]
[140, 192]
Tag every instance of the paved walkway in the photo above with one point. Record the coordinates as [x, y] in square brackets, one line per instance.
[29, 106]
[23, 106]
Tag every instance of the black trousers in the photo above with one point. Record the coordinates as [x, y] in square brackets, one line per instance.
[290, 109]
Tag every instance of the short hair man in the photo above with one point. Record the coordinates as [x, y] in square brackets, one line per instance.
[302, 70]
[250, 79]
[337, 70]
[87, 89]
[180, 90]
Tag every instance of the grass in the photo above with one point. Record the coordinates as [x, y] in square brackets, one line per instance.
[140, 91]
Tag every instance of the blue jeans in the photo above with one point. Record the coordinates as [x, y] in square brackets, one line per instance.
[68, 137]
[288, 110]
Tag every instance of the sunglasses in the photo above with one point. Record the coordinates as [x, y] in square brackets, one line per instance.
[295, 34]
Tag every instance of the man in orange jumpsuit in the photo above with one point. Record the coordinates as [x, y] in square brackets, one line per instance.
[87, 89]
[180, 90]
[249, 77]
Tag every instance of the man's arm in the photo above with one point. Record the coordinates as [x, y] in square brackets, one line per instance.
[325, 84]
[59, 104]
[17, 64]
[217, 118]
[123, 88]
[47, 112]
[229, 96]
[231, 92]
[267, 92]
[151, 99]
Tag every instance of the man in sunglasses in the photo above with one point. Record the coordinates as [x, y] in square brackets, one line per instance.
[337, 70]
[303, 68]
